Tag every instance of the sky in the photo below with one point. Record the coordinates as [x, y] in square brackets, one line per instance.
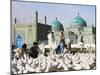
[24, 12]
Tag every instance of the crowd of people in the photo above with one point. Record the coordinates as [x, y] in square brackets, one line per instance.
[52, 59]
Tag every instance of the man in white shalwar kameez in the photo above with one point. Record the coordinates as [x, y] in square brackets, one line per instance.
[51, 41]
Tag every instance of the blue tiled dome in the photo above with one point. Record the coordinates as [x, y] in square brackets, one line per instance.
[57, 26]
[78, 21]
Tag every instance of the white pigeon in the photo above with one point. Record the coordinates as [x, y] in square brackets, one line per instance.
[77, 67]
[25, 71]
[29, 68]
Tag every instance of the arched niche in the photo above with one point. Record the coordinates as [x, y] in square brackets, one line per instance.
[19, 40]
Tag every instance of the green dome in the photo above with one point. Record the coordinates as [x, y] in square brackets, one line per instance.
[57, 26]
[78, 21]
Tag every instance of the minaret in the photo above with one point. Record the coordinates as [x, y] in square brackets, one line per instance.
[45, 20]
[92, 25]
[36, 16]
[35, 37]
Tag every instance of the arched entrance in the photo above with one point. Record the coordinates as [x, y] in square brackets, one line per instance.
[19, 41]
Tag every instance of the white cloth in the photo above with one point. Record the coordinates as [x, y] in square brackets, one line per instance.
[51, 40]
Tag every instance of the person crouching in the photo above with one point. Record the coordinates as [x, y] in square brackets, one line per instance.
[34, 50]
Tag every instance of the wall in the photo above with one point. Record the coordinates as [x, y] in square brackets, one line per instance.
[42, 31]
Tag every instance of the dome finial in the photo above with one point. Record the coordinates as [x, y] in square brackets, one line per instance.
[56, 18]
[78, 13]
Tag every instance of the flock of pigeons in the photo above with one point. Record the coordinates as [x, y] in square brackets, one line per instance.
[54, 63]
